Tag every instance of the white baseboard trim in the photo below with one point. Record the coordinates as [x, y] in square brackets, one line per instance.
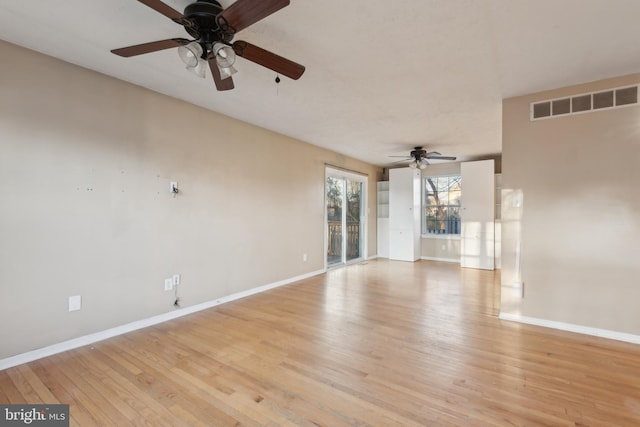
[586, 330]
[50, 350]
[451, 260]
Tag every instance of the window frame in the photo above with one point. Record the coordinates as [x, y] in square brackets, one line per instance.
[425, 188]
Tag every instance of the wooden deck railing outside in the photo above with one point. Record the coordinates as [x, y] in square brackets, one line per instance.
[334, 249]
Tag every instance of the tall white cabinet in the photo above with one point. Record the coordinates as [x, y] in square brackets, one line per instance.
[404, 214]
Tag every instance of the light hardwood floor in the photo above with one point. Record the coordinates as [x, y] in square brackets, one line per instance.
[380, 344]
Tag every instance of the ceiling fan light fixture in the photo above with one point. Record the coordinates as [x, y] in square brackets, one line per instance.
[200, 69]
[418, 164]
[211, 28]
[225, 55]
[190, 54]
[227, 72]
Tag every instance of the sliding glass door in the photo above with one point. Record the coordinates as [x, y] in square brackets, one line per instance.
[345, 217]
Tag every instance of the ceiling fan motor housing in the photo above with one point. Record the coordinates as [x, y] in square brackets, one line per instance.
[204, 16]
[418, 153]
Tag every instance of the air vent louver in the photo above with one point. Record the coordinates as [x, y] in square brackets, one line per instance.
[542, 109]
[561, 106]
[602, 100]
[583, 103]
[627, 96]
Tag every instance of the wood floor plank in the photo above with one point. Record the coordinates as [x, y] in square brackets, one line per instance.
[382, 343]
[147, 409]
[9, 393]
[50, 371]
[36, 384]
[23, 386]
[87, 392]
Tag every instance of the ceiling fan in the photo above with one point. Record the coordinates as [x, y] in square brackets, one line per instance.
[213, 29]
[420, 157]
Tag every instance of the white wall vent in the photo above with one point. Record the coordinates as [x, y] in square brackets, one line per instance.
[584, 103]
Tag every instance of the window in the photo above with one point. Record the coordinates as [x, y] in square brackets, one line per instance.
[442, 204]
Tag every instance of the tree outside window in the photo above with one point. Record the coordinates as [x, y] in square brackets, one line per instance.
[335, 189]
[442, 204]
[334, 199]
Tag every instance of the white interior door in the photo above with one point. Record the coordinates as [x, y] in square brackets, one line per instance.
[477, 239]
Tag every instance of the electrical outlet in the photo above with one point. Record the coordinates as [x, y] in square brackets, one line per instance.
[168, 284]
[176, 279]
[304, 257]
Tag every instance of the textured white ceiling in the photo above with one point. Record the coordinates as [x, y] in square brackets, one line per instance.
[381, 76]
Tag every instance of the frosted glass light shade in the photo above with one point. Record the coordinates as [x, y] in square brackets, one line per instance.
[200, 69]
[225, 56]
[227, 72]
[190, 54]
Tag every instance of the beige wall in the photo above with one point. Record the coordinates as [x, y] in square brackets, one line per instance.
[86, 161]
[441, 249]
[578, 221]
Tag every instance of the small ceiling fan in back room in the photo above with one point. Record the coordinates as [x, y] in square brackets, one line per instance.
[213, 29]
[420, 157]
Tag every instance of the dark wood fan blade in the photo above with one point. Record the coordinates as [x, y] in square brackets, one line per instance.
[243, 13]
[139, 49]
[221, 84]
[162, 8]
[441, 157]
[400, 161]
[268, 59]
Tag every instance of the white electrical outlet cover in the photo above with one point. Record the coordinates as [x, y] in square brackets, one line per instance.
[168, 284]
[176, 279]
[75, 303]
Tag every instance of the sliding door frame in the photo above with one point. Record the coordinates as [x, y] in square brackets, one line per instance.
[335, 172]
